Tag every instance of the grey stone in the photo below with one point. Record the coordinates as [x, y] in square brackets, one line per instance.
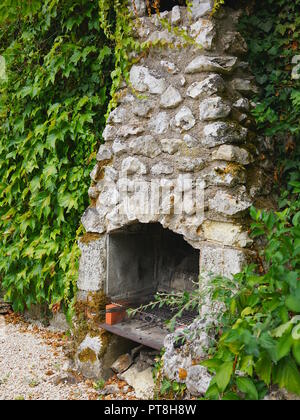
[216, 64]
[232, 154]
[109, 133]
[201, 8]
[242, 104]
[244, 86]
[234, 43]
[91, 221]
[141, 382]
[164, 36]
[209, 86]
[191, 165]
[89, 366]
[213, 109]
[204, 33]
[118, 115]
[169, 67]
[184, 120]
[230, 204]
[162, 169]
[171, 146]
[118, 147]
[176, 15]
[198, 380]
[146, 146]
[142, 108]
[95, 173]
[132, 165]
[104, 153]
[190, 141]
[143, 81]
[171, 98]
[122, 363]
[58, 322]
[219, 133]
[159, 123]
[93, 192]
[130, 130]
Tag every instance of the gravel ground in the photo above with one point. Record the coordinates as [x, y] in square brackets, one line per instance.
[33, 366]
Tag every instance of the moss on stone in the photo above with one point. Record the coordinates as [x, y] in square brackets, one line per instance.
[87, 355]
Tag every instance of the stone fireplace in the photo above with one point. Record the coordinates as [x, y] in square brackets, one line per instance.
[180, 166]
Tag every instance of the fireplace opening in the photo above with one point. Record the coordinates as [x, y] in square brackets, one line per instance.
[144, 259]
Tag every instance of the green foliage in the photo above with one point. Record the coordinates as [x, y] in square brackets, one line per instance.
[261, 340]
[273, 36]
[52, 108]
[261, 323]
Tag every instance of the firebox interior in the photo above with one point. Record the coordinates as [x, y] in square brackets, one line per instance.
[144, 259]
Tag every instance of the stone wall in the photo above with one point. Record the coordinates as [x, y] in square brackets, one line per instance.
[184, 115]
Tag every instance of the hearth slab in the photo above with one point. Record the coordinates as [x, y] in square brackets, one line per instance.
[137, 330]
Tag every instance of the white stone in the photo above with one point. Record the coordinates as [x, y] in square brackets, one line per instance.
[169, 67]
[132, 165]
[146, 146]
[130, 130]
[217, 64]
[184, 120]
[225, 175]
[176, 15]
[164, 36]
[230, 204]
[232, 154]
[226, 233]
[142, 108]
[191, 165]
[92, 268]
[204, 33]
[119, 147]
[109, 133]
[221, 261]
[201, 8]
[190, 141]
[141, 382]
[91, 221]
[118, 115]
[143, 81]
[219, 133]
[159, 123]
[171, 146]
[161, 169]
[171, 98]
[109, 197]
[198, 380]
[242, 104]
[213, 109]
[209, 86]
[104, 153]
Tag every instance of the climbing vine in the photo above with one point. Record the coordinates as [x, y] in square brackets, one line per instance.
[52, 108]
